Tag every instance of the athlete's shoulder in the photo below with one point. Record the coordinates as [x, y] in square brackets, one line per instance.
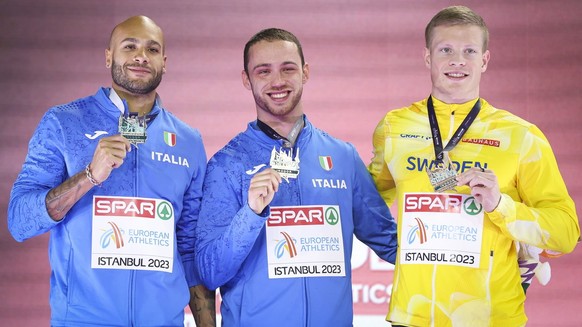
[331, 142]
[180, 125]
[413, 110]
[235, 151]
[74, 106]
[503, 116]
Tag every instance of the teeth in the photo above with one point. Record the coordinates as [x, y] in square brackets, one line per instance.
[456, 74]
[278, 95]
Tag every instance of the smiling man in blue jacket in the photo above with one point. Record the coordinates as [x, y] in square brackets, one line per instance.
[282, 201]
[117, 181]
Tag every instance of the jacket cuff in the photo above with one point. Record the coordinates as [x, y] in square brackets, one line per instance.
[505, 212]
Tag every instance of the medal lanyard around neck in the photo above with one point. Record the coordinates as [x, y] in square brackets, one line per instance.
[289, 141]
[146, 118]
[436, 134]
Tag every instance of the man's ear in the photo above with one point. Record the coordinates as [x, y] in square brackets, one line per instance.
[427, 57]
[108, 58]
[486, 58]
[245, 80]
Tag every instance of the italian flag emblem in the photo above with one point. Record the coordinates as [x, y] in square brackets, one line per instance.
[325, 162]
[170, 138]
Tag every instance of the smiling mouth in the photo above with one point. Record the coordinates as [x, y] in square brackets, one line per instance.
[138, 69]
[279, 95]
[456, 75]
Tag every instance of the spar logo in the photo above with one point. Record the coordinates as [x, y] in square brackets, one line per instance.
[303, 216]
[111, 236]
[110, 206]
[286, 245]
[418, 232]
[472, 207]
[450, 203]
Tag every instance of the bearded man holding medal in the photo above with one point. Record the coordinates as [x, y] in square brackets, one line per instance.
[117, 181]
[475, 184]
[282, 202]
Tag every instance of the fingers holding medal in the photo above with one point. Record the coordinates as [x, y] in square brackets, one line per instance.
[262, 189]
[109, 154]
[484, 186]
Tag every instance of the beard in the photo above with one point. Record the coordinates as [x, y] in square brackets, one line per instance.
[137, 86]
[277, 111]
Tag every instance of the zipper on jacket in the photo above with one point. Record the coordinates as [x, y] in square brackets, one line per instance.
[132, 272]
[306, 305]
[488, 281]
[303, 279]
[433, 295]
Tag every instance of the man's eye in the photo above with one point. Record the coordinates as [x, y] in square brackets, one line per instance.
[154, 50]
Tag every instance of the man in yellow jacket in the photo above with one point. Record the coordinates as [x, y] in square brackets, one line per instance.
[472, 181]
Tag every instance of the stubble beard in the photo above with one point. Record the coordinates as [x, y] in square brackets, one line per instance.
[134, 86]
[277, 111]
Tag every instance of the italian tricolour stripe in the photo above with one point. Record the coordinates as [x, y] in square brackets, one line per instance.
[325, 162]
[170, 138]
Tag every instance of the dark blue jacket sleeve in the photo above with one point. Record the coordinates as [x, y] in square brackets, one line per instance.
[43, 169]
[373, 223]
[227, 228]
[186, 226]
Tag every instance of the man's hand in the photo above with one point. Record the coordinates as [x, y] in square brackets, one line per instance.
[262, 189]
[484, 186]
[109, 154]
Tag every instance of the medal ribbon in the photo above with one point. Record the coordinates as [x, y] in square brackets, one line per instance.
[289, 141]
[436, 134]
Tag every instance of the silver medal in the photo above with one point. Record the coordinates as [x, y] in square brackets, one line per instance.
[443, 176]
[133, 128]
[283, 162]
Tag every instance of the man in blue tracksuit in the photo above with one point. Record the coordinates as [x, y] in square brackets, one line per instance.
[281, 204]
[117, 181]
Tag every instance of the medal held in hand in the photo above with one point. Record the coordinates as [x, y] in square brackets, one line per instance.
[133, 128]
[443, 175]
[283, 162]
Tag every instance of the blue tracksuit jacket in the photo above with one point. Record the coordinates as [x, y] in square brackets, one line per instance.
[232, 251]
[61, 146]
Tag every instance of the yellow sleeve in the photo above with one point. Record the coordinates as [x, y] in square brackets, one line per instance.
[546, 215]
[378, 168]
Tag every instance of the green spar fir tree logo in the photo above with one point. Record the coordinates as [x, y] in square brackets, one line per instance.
[331, 216]
[165, 210]
[471, 206]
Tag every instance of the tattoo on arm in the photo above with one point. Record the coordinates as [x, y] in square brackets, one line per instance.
[203, 306]
[61, 199]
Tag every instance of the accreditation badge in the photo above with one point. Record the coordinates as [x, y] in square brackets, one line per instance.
[132, 233]
[283, 162]
[441, 229]
[305, 241]
[442, 176]
[133, 128]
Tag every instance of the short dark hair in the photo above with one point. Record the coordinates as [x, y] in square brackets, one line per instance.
[456, 15]
[270, 35]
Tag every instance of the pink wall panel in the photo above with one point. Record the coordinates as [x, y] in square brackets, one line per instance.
[365, 58]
